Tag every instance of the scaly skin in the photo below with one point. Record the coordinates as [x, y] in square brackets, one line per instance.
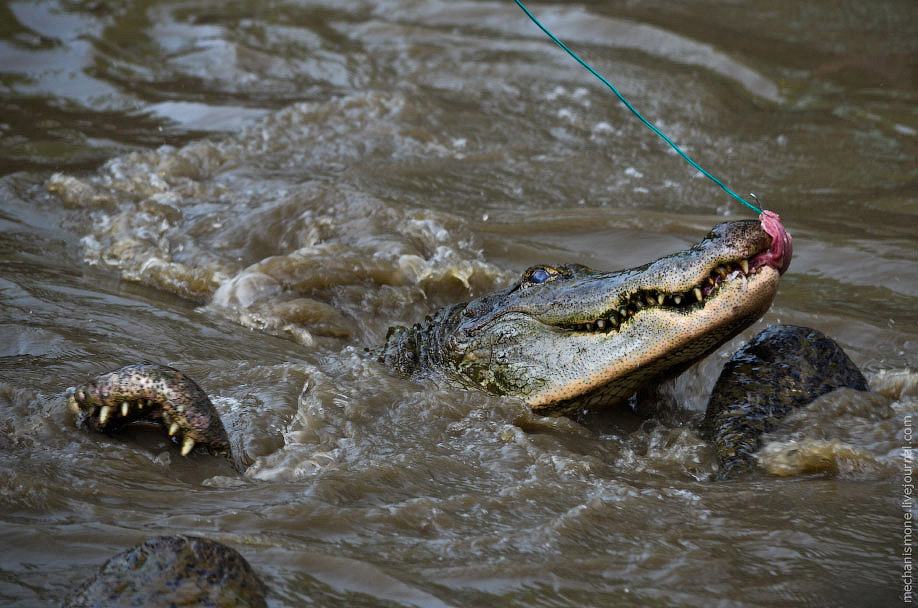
[568, 338]
[782, 368]
[173, 571]
[151, 393]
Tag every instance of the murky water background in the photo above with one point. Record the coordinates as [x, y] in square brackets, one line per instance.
[254, 192]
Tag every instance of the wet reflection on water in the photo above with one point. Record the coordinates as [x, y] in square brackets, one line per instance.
[254, 193]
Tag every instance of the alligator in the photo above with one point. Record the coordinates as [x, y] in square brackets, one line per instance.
[566, 340]
[562, 338]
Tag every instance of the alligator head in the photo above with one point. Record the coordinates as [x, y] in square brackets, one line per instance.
[564, 338]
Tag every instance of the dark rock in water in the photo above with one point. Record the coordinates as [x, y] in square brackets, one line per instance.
[782, 368]
[173, 571]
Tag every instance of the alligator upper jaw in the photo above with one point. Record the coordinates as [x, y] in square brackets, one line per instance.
[699, 276]
[684, 299]
[108, 418]
[603, 301]
[649, 341]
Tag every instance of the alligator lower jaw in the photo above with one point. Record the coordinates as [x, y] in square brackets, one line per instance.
[109, 418]
[687, 301]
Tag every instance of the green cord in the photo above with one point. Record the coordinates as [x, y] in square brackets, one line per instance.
[646, 122]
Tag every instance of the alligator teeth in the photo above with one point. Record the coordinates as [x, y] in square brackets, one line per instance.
[721, 271]
[745, 266]
[710, 281]
[698, 295]
[677, 299]
[187, 446]
[623, 312]
[125, 408]
[601, 324]
[613, 322]
[104, 413]
[173, 429]
[651, 301]
[660, 299]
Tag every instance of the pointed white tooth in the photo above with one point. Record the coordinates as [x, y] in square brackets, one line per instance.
[722, 272]
[125, 408]
[601, 324]
[623, 312]
[698, 295]
[173, 429]
[745, 266]
[104, 413]
[660, 299]
[187, 446]
[677, 299]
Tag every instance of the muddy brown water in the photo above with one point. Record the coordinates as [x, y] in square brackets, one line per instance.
[254, 192]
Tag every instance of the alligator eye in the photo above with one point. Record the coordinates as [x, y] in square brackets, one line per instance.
[539, 274]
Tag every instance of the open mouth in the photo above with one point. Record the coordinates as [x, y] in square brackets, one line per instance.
[613, 320]
[777, 255]
[151, 394]
[111, 417]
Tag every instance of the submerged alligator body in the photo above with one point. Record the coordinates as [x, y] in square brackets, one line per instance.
[782, 368]
[173, 571]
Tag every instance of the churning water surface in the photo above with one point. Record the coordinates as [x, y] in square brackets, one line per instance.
[254, 192]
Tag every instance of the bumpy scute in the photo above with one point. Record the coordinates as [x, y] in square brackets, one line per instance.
[172, 571]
